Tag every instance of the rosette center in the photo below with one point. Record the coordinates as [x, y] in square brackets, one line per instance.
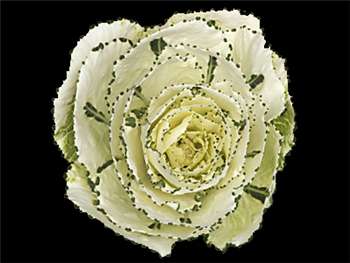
[190, 138]
[188, 151]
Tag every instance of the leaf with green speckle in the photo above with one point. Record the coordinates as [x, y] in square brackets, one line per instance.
[92, 112]
[255, 80]
[157, 46]
[130, 121]
[140, 112]
[252, 154]
[211, 67]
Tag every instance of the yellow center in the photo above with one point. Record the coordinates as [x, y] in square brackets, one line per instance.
[188, 142]
[188, 151]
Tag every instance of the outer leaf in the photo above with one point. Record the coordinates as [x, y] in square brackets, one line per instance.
[255, 60]
[64, 103]
[285, 123]
[224, 18]
[239, 226]
[115, 201]
[79, 192]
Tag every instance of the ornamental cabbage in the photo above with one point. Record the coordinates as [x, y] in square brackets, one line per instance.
[175, 131]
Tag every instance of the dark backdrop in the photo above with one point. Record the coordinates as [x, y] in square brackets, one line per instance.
[309, 220]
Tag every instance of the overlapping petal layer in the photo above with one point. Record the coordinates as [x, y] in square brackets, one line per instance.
[175, 131]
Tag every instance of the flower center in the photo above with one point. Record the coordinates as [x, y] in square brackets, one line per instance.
[188, 151]
[188, 141]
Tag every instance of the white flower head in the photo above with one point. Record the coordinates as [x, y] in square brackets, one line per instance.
[175, 131]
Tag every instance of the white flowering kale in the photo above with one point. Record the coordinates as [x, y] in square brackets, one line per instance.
[175, 131]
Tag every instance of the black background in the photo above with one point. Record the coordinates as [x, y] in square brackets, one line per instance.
[309, 220]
